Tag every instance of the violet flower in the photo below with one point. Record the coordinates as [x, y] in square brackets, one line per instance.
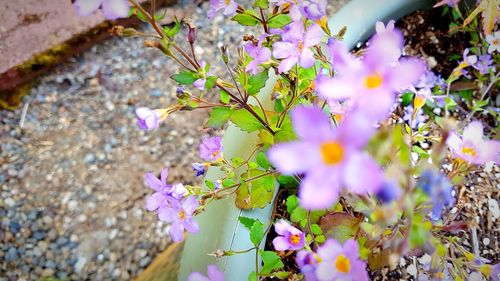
[147, 119]
[429, 80]
[296, 45]
[213, 274]
[229, 7]
[381, 28]
[289, 237]
[180, 216]
[439, 189]
[494, 42]
[389, 191]
[418, 119]
[199, 168]
[375, 79]
[472, 147]
[112, 9]
[313, 9]
[211, 148]
[259, 55]
[340, 262]
[164, 193]
[330, 157]
[307, 262]
[483, 64]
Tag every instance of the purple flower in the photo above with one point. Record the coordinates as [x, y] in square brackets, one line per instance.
[211, 149]
[307, 262]
[340, 262]
[418, 119]
[494, 41]
[450, 3]
[199, 168]
[259, 55]
[213, 274]
[374, 80]
[296, 45]
[429, 80]
[388, 192]
[381, 28]
[229, 7]
[164, 193]
[289, 237]
[484, 64]
[180, 217]
[313, 9]
[421, 96]
[147, 119]
[330, 157]
[112, 9]
[472, 147]
[439, 190]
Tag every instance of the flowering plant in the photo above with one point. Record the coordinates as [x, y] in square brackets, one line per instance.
[366, 184]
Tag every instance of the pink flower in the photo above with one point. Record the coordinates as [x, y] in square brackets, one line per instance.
[211, 148]
[259, 55]
[229, 7]
[494, 42]
[180, 216]
[296, 45]
[214, 274]
[307, 262]
[289, 237]
[164, 193]
[340, 262]
[330, 157]
[112, 9]
[472, 147]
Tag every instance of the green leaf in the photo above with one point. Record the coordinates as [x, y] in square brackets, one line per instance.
[245, 19]
[228, 182]
[279, 21]
[292, 202]
[266, 137]
[219, 116]
[256, 193]
[316, 230]
[237, 161]
[281, 274]
[422, 153]
[247, 222]
[224, 97]
[264, 4]
[246, 121]
[256, 82]
[340, 226]
[271, 261]
[252, 276]
[320, 239]
[407, 99]
[256, 233]
[171, 32]
[261, 159]
[185, 78]
[210, 82]
[210, 184]
[298, 214]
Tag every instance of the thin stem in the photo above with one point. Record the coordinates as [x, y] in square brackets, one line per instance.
[262, 108]
[234, 80]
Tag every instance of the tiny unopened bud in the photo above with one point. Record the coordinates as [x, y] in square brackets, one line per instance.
[151, 44]
[225, 56]
[191, 35]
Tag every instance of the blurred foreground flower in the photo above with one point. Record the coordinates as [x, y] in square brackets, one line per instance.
[112, 9]
[472, 147]
[289, 237]
[213, 274]
[229, 7]
[340, 262]
[439, 190]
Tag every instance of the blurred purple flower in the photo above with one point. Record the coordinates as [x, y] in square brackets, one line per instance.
[259, 55]
[330, 157]
[211, 148]
[313, 9]
[418, 119]
[179, 214]
[381, 28]
[213, 274]
[429, 80]
[112, 9]
[472, 147]
[439, 190]
[289, 237]
[307, 262]
[340, 262]
[296, 45]
[199, 168]
[388, 192]
[484, 64]
[229, 7]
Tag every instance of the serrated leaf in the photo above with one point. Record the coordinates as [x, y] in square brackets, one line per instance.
[210, 82]
[279, 21]
[266, 137]
[245, 19]
[320, 239]
[316, 230]
[298, 214]
[247, 222]
[271, 261]
[292, 202]
[256, 233]
[256, 82]
[171, 32]
[257, 193]
[246, 121]
[261, 159]
[185, 78]
[219, 116]
[264, 4]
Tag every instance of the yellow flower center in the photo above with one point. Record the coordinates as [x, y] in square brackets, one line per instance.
[469, 151]
[182, 215]
[332, 152]
[227, 2]
[342, 264]
[495, 42]
[295, 239]
[214, 154]
[373, 81]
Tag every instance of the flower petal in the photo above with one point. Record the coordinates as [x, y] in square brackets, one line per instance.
[311, 123]
[154, 201]
[214, 273]
[361, 174]
[113, 9]
[191, 226]
[190, 204]
[282, 227]
[176, 232]
[196, 276]
[167, 214]
[87, 7]
[306, 58]
[293, 157]
[152, 181]
[407, 72]
[280, 243]
[319, 189]
[313, 36]
[164, 176]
